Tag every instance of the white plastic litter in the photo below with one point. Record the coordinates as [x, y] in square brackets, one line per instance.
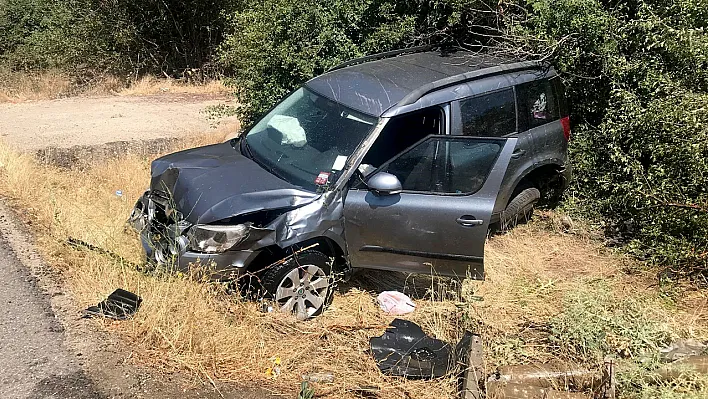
[395, 303]
[289, 127]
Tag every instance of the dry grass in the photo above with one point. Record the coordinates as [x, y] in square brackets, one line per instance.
[197, 326]
[48, 85]
[150, 85]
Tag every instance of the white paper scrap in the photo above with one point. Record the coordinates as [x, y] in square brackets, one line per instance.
[339, 163]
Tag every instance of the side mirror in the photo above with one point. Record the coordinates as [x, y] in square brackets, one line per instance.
[384, 183]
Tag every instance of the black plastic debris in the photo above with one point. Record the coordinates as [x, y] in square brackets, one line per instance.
[120, 305]
[404, 350]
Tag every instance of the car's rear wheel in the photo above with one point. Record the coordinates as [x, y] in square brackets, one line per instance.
[520, 208]
[301, 285]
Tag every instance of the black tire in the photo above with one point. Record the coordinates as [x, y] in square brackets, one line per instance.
[280, 275]
[520, 208]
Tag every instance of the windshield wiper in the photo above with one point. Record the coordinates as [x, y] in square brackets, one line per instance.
[245, 148]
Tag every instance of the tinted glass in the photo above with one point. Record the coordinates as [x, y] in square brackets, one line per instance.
[464, 171]
[489, 115]
[469, 165]
[307, 138]
[559, 91]
[414, 168]
[402, 132]
[537, 104]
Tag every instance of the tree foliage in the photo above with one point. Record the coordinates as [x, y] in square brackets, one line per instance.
[636, 73]
[133, 36]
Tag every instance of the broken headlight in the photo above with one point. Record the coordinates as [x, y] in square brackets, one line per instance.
[215, 239]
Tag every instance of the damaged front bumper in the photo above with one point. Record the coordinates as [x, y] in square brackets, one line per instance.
[162, 229]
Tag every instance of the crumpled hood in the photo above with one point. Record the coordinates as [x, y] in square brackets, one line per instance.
[216, 182]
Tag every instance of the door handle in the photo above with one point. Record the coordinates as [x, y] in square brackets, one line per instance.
[469, 221]
[518, 154]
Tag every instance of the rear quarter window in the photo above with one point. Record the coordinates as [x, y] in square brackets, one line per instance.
[489, 115]
[538, 104]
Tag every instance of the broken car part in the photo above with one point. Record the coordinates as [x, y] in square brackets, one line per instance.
[686, 366]
[76, 243]
[120, 305]
[405, 350]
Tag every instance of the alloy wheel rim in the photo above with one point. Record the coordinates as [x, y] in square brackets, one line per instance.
[303, 291]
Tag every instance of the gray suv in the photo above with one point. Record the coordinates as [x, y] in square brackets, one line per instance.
[396, 163]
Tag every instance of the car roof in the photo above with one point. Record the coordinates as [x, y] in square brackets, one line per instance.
[374, 87]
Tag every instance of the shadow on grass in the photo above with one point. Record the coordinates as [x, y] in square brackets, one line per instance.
[416, 286]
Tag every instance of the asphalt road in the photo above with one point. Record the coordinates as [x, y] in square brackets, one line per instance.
[33, 358]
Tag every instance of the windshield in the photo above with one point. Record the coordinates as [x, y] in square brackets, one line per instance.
[307, 139]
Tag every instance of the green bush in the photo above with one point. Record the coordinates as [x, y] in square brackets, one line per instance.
[637, 73]
[123, 37]
[276, 46]
[50, 34]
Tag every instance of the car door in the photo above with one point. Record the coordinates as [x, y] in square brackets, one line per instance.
[438, 222]
[493, 114]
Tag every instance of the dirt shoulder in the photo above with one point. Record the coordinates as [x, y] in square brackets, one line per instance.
[82, 121]
[52, 350]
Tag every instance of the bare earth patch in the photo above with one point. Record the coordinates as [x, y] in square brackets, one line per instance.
[91, 121]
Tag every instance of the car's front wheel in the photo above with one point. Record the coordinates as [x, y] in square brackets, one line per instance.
[301, 285]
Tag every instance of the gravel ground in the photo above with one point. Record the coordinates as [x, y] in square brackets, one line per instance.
[77, 121]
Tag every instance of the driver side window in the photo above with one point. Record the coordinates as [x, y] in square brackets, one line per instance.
[402, 132]
[446, 165]
[414, 169]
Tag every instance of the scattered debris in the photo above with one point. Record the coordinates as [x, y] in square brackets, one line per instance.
[319, 377]
[266, 306]
[549, 375]
[469, 352]
[693, 364]
[405, 350]
[273, 371]
[681, 349]
[366, 391]
[81, 244]
[120, 305]
[395, 303]
[504, 390]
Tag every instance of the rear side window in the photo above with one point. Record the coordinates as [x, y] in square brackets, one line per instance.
[489, 115]
[537, 104]
[560, 96]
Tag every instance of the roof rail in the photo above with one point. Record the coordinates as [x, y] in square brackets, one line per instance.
[416, 94]
[386, 54]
